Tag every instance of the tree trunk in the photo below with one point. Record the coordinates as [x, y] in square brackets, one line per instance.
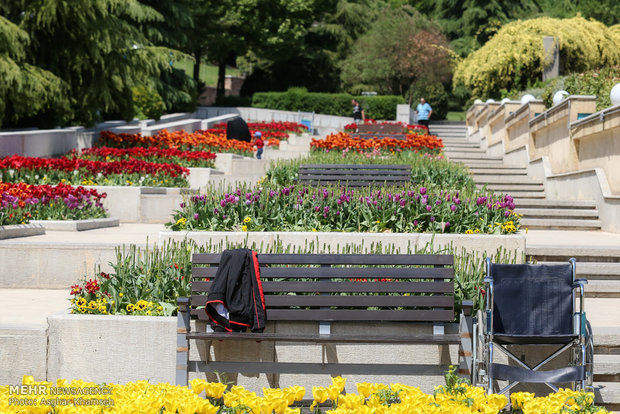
[221, 76]
[197, 57]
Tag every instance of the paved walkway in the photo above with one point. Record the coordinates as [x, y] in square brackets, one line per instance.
[32, 306]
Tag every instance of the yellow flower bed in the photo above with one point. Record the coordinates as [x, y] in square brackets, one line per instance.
[142, 397]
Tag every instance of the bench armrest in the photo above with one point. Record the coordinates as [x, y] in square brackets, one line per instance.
[183, 304]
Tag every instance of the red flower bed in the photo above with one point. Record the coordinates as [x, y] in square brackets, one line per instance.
[199, 140]
[342, 141]
[17, 162]
[352, 127]
[20, 202]
[151, 154]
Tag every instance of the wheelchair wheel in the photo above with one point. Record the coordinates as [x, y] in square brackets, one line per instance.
[589, 357]
[480, 352]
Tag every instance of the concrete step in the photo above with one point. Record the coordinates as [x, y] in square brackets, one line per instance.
[560, 224]
[594, 272]
[557, 213]
[494, 166]
[607, 394]
[595, 254]
[514, 188]
[606, 368]
[463, 150]
[528, 194]
[507, 179]
[484, 172]
[472, 156]
[602, 288]
[556, 204]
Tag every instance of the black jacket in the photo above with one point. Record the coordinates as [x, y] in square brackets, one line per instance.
[237, 286]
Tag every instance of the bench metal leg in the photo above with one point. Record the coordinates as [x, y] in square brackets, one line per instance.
[183, 328]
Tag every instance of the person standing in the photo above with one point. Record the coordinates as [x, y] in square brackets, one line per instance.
[259, 144]
[424, 111]
[358, 112]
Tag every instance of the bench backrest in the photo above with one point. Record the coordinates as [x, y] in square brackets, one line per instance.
[354, 175]
[344, 287]
[381, 129]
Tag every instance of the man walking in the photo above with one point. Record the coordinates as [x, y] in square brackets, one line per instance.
[424, 111]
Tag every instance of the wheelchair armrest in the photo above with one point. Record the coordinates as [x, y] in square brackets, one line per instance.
[579, 282]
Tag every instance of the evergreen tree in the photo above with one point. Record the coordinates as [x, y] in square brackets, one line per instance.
[25, 89]
[97, 48]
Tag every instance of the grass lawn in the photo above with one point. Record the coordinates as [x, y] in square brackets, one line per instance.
[455, 116]
[208, 72]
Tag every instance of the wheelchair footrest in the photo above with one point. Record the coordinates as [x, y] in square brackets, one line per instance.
[517, 374]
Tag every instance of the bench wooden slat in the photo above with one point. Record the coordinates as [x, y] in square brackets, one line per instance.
[365, 301]
[338, 259]
[333, 315]
[357, 166]
[346, 287]
[328, 339]
[339, 272]
[318, 368]
[325, 177]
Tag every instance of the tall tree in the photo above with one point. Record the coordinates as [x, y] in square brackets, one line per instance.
[25, 89]
[401, 48]
[96, 47]
[259, 30]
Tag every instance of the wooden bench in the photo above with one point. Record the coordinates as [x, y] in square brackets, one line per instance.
[412, 295]
[353, 175]
[378, 136]
[388, 129]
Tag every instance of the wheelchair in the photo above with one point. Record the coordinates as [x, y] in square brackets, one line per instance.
[531, 305]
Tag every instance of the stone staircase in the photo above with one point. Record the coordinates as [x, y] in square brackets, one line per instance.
[529, 194]
[599, 264]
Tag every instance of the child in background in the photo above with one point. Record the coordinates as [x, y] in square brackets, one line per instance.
[259, 144]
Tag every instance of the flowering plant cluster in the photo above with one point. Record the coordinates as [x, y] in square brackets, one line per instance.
[199, 140]
[20, 202]
[274, 126]
[34, 170]
[564, 401]
[205, 159]
[420, 129]
[145, 397]
[412, 142]
[390, 209]
[139, 284]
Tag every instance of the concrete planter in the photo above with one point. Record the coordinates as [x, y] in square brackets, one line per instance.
[112, 348]
[142, 204]
[21, 230]
[78, 225]
[483, 244]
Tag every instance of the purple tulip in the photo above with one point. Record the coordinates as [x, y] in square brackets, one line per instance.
[415, 223]
[432, 219]
[507, 214]
[422, 190]
[196, 216]
[428, 208]
[402, 203]
[453, 207]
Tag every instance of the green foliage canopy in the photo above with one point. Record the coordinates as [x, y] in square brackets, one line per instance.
[402, 47]
[515, 56]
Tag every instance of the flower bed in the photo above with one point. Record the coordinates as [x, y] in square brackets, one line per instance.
[431, 171]
[179, 139]
[33, 170]
[299, 208]
[342, 141]
[420, 129]
[279, 130]
[146, 283]
[142, 396]
[189, 159]
[20, 202]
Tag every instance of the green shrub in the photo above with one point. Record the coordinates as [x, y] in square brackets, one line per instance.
[147, 103]
[339, 104]
[597, 82]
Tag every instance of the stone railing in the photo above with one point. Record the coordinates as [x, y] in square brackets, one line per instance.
[576, 151]
[550, 132]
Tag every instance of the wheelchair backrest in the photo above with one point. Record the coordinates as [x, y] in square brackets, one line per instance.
[532, 300]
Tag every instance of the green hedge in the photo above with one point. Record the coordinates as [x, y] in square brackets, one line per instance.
[299, 99]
